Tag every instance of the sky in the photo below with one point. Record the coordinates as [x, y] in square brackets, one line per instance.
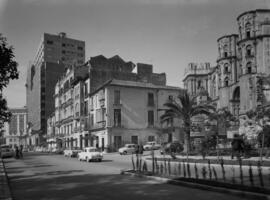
[166, 33]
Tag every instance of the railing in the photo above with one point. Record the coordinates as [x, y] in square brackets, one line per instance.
[249, 176]
[101, 124]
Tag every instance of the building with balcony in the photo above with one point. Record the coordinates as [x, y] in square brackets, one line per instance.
[243, 62]
[55, 53]
[15, 131]
[121, 112]
[95, 108]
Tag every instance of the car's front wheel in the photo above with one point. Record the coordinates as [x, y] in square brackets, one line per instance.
[124, 153]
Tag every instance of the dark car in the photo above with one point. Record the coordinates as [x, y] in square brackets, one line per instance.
[173, 147]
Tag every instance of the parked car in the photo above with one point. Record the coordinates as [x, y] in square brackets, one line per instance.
[151, 145]
[90, 154]
[127, 149]
[6, 152]
[173, 147]
[72, 152]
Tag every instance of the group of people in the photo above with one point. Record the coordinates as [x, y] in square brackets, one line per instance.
[139, 149]
[19, 152]
[239, 147]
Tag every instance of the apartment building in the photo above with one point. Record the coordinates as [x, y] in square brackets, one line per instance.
[92, 121]
[55, 53]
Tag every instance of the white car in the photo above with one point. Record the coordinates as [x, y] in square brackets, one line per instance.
[151, 145]
[128, 148]
[6, 152]
[72, 152]
[89, 154]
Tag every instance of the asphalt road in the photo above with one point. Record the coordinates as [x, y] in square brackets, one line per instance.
[54, 177]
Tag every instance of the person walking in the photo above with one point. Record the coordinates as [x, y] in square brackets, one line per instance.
[16, 152]
[21, 151]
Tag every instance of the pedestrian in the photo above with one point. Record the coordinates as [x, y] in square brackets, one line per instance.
[237, 146]
[16, 152]
[21, 151]
[141, 149]
[136, 149]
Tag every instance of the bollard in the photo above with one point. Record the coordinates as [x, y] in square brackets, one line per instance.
[196, 171]
[145, 167]
[215, 173]
[209, 169]
[169, 167]
[260, 173]
[140, 165]
[184, 169]
[175, 169]
[165, 167]
[188, 170]
[133, 164]
[233, 177]
[161, 169]
[204, 172]
[223, 170]
[241, 171]
[250, 172]
[179, 169]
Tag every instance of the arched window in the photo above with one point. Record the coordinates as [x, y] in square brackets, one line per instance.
[214, 87]
[77, 111]
[226, 68]
[240, 52]
[226, 82]
[199, 84]
[248, 68]
[225, 50]
[249, 50]
[248, 29]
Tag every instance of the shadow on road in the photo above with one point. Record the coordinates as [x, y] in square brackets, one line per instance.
[80, 185]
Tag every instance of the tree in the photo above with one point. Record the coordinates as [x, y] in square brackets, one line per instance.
[185, 108]
[8, 71]
[260, 116]
[223, 119]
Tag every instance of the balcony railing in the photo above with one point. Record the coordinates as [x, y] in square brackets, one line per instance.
[101, 124]
[102, 102]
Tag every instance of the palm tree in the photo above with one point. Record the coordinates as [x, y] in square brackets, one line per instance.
[185, 108]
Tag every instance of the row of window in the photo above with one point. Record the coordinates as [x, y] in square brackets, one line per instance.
[50, 42]
[117, 118]
[72, 52]
[118, 141]
[248, 51]
[150, 99]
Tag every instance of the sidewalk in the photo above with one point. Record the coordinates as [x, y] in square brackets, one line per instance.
[5, 193]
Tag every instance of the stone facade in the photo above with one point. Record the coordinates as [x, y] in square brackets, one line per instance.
[242, 57]
[242, 60]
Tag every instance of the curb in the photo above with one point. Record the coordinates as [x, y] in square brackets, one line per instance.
[248, 195]
[5, 191]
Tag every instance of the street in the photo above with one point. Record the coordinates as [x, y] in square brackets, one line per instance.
[45, 176]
